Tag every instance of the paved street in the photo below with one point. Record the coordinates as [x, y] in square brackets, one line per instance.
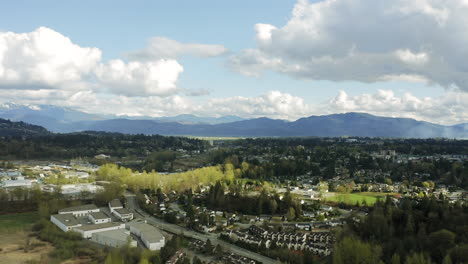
[133, 206]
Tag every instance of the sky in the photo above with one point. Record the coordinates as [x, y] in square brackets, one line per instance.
[281, 59]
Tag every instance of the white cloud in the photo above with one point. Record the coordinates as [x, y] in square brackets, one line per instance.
[140, 78]
[160, 47]
[449, 108]
[43, 58]
[366, 41]
[46, 60]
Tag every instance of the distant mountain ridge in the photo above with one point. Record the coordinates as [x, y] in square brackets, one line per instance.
[66, 120]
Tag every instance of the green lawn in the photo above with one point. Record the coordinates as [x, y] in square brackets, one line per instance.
[352, 198]
[17, 222]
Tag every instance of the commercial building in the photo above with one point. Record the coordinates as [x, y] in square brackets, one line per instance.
[87, 231]
[99, 218]
[16, 183]
[123, 214]
[149, 235]
[115, 204]
[82, 210]
[66, 222]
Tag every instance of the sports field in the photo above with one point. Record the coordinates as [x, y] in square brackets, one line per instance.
[352, 198]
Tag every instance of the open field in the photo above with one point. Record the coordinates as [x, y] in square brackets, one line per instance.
[16, 243]
[352, 198]
[11, 223]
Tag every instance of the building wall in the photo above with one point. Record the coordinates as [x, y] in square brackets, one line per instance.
[89, 233]
[107, 241]
[99, 221]
[81, 213]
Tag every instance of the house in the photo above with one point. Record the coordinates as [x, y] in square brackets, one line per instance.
[114, 238]
[149, 235]
[65, 222]
[87, 231]
[81, 210]
[99, 218]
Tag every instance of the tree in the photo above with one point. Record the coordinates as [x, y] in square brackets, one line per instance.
[291, 215]
[219, 251]
[440, 242]
[395, 259]
[208, 247]
[351, 250]
[418, 258]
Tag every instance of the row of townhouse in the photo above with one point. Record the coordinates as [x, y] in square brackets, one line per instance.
[320, 243]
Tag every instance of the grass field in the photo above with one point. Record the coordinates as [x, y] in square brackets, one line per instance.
[352, 198]
[17, 222]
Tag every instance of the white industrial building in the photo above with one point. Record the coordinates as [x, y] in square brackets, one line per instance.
[66, 222]
[87, 231]
[149, 235]
[115, 204]
[123, 214]
[16, 183]
[114, 238]
[99, 218]
[81, 210]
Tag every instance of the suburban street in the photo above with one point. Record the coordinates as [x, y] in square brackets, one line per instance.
[172, 228]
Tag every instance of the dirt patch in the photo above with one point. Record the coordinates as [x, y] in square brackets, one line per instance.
[19, 247]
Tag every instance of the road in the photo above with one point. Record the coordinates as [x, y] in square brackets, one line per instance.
[133, 206]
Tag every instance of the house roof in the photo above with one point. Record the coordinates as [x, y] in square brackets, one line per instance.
[86, 207]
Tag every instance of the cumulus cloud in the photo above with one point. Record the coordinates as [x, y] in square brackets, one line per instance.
[140, 78]
[366, 41]
[160, 47]
[449, 108]
[45, 60]
[272, 104]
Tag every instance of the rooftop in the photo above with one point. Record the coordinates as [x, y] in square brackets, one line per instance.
[85, 207]
[67, 219]
[115, 203]
[99, 215]
[148, 232]
[123, 211]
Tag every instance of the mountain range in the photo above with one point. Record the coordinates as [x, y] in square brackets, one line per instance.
[65, 120]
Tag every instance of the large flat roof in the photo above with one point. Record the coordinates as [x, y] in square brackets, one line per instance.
[67, 219]
[98, 226]
[115, 203]
[123, 211]
[99, 215]
[148, 232]
[85, 207]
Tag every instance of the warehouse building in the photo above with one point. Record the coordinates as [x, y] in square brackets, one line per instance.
[87, 231]
[99, 218]
[65, 222]
[81, 210]
[149, 235]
